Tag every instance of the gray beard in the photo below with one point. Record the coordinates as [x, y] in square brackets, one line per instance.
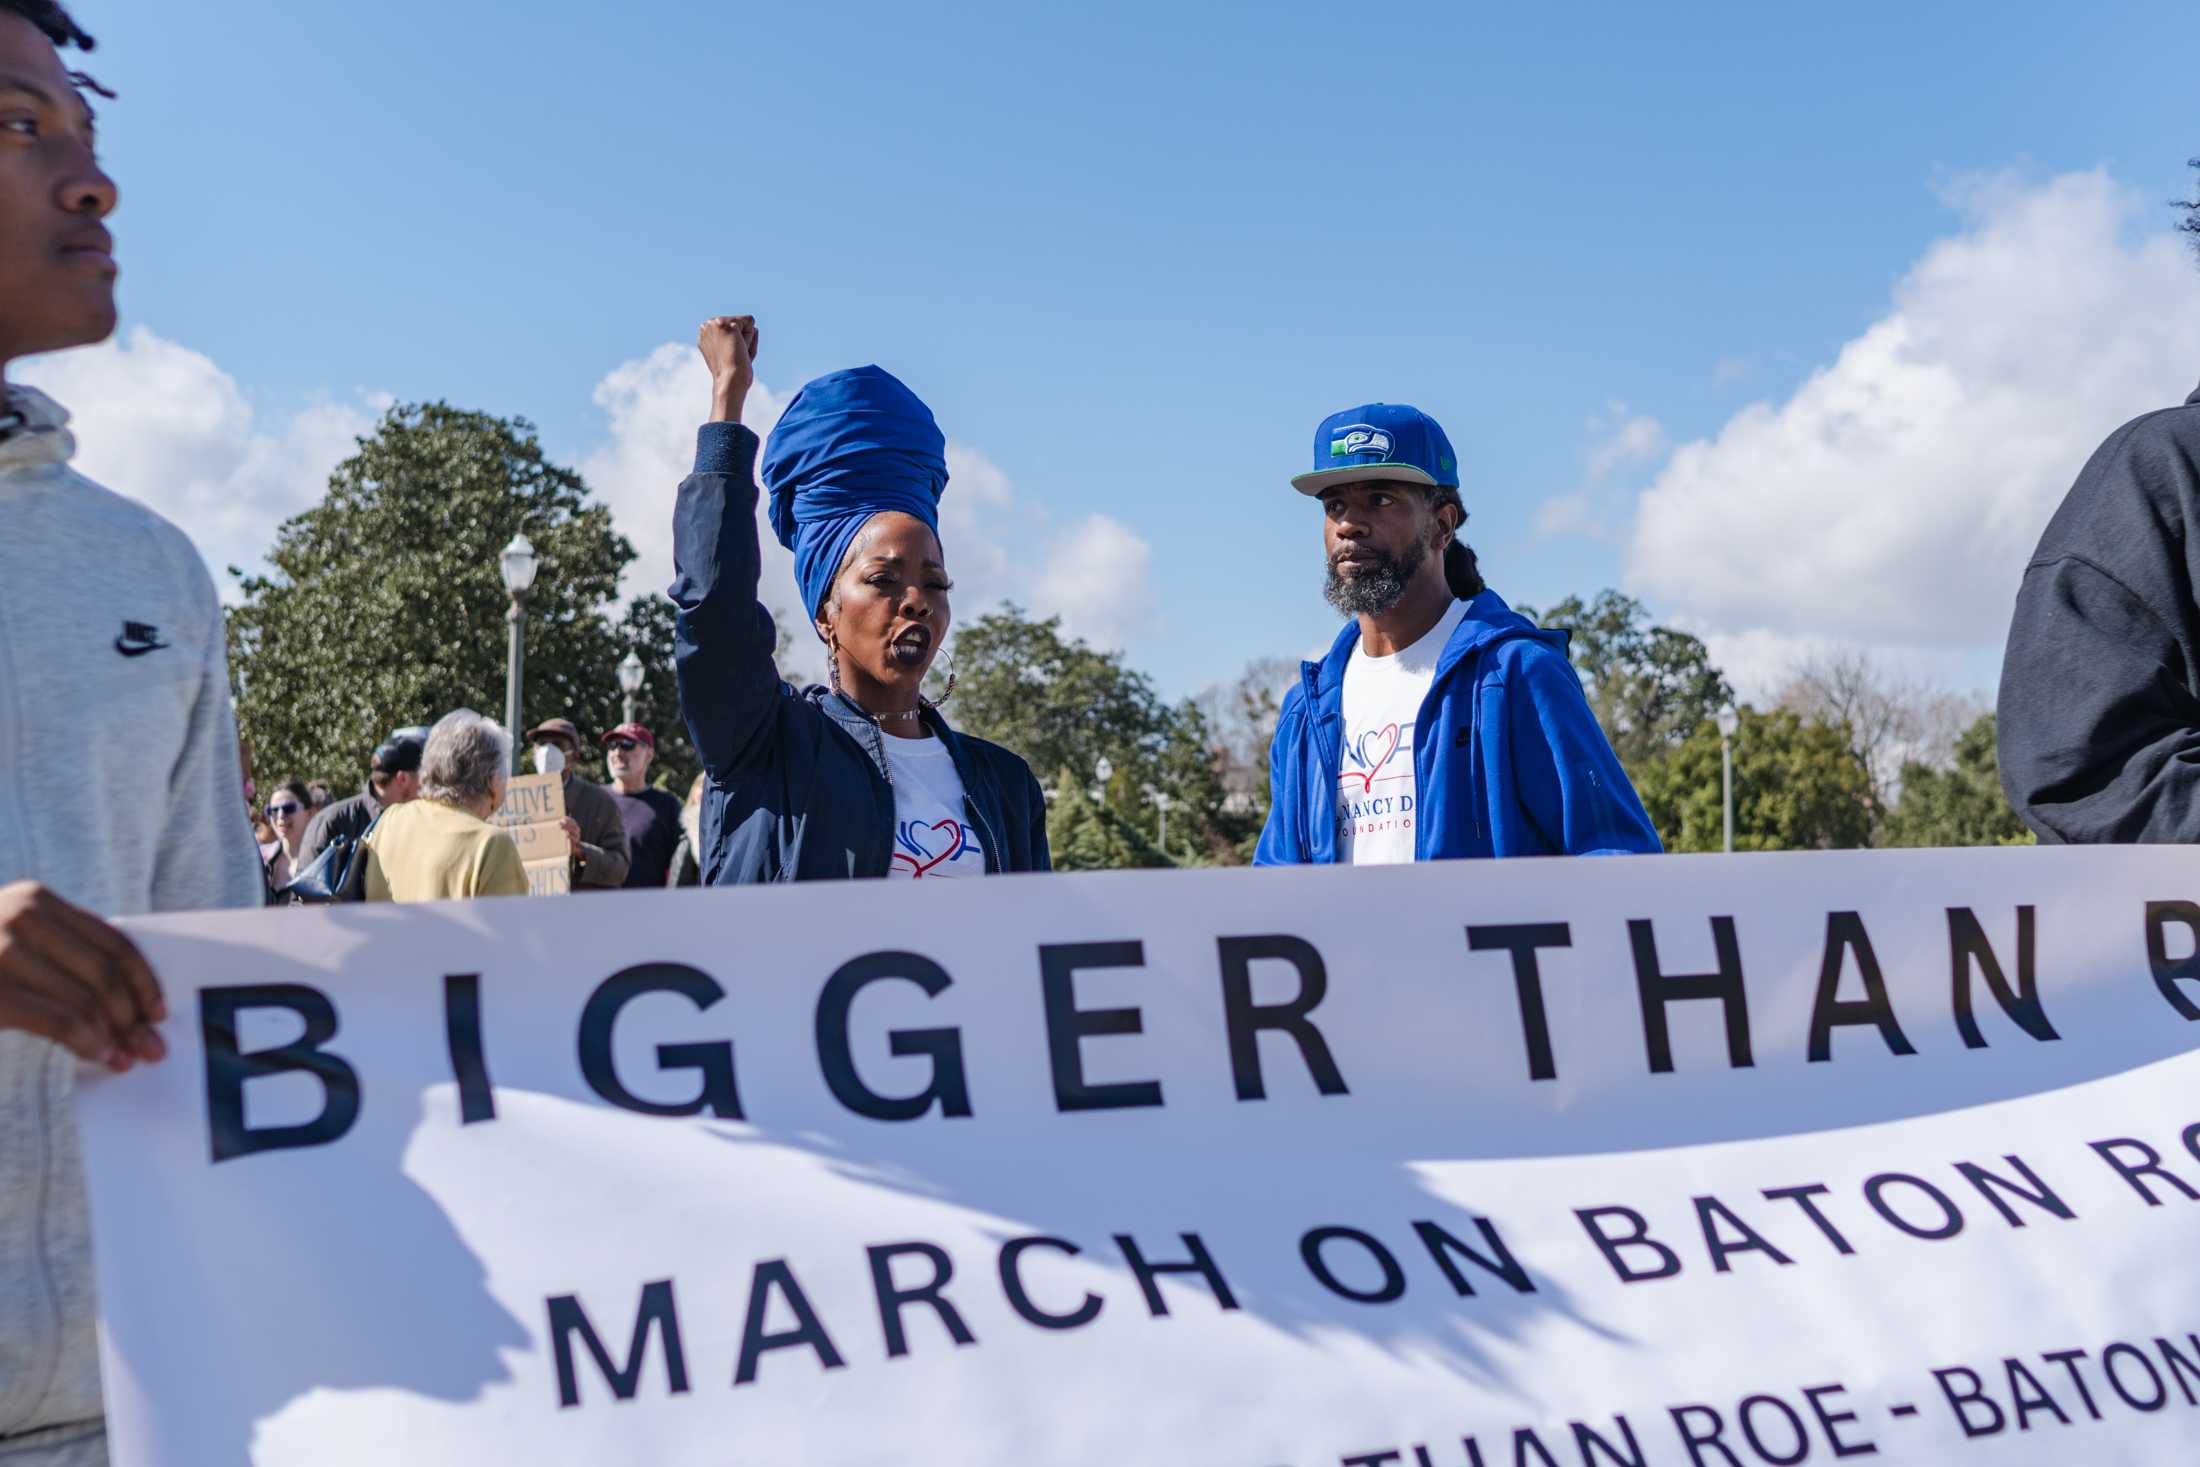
[1374, 589]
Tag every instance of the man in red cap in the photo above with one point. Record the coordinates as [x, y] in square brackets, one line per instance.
[651, 816]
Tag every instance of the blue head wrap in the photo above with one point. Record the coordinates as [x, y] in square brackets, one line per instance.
[849, 446]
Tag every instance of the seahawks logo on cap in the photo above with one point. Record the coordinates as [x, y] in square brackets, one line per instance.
[1359, 438]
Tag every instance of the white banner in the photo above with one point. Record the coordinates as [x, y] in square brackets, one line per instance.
[1692, 1160]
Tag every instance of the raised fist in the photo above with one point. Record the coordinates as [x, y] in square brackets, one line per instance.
[728, 345]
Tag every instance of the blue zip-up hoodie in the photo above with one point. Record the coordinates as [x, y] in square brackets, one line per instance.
[1507, 758]
[796, 791]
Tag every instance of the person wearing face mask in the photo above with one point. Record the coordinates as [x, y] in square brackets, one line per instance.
[864, 777]
[595, 838]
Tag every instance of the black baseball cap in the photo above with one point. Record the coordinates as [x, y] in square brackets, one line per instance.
[400, 753]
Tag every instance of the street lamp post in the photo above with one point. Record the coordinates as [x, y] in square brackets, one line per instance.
[518, 563]
[1102, 771]
[630, 683]
[1161, 802]
[1729, 721]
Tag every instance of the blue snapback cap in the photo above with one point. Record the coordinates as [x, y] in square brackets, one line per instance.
[1381, 440]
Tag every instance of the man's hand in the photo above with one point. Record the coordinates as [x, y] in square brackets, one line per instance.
[572, 829]
[69, 977]
[728, 345]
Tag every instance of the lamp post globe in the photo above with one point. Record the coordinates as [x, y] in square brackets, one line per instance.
[517, 564]
[1161, 802]
[1729, 720]
[1103, 770]
[631, 673]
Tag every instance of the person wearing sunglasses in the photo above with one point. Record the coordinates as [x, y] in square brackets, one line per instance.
[289, 810]
[651, 817]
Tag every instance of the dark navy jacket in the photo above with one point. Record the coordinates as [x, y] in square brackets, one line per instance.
[2099, 724]
[1507, 758]
[795, 790]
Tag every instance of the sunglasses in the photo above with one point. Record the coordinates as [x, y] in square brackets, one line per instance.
[622, 745]
[287, 807]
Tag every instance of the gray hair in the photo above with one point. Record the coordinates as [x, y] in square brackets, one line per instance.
[467, 755]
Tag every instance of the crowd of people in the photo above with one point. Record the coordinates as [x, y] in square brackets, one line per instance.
[1440, 725]
[624, 833]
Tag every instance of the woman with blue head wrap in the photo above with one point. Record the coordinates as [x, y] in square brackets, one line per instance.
[862, 777]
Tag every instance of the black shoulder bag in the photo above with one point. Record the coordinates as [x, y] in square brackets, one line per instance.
[338, 874]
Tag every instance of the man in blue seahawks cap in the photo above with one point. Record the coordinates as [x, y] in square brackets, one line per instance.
[1442, 723]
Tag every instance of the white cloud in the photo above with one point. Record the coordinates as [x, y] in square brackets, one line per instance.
[1598, 509]
[1096, 575]
[1621, 438]
[1893, 500]
[164, 425]
[654, 404]
[1569, 514]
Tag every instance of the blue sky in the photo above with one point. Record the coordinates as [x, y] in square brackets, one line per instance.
[1131, 254]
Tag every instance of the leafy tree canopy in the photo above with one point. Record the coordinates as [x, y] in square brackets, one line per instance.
[1650, 686]
[1958, 806]
[1088, 837]
[385, 606]
[1064, 705]
[1241, 716]
[1796, 788]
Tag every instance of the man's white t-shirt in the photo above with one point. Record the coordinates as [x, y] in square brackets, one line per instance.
[1376, 791]
[931, 836]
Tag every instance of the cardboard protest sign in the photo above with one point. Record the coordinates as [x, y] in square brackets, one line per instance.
[552, 876]
[534, 804]
[1662, 1162]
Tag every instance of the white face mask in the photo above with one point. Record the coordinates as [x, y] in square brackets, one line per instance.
[549, 759]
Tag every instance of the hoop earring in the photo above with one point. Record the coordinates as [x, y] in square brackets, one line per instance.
[941, 700]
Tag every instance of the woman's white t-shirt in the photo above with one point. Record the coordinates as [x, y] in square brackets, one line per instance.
[1376, 789]
[932, 836]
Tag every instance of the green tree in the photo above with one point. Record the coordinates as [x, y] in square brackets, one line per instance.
[1087, 837]
[385, 606]
[1958, 806]
[647, 628]
[1796, 788]
[1064, 705]
[1242, 718]
[1651, 686]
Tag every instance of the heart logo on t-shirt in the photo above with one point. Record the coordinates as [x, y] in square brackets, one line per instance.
[945, 837]
[1385, 738]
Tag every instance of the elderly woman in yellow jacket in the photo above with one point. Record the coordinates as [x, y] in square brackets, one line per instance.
[441, 846]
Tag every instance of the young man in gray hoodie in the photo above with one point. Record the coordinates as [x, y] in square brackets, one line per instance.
[120, 790]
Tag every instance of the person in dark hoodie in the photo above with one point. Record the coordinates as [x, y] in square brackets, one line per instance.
[1442, 723]
[2098, 718]
[862, 778]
